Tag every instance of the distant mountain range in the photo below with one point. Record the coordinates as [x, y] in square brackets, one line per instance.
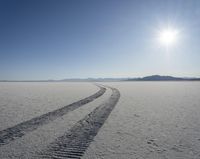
[147, 78]
[162, 78]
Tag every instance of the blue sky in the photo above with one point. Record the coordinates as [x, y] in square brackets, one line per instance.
[45, 39]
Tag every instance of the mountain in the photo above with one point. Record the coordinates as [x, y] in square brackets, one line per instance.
[94, 79]
[163, 78]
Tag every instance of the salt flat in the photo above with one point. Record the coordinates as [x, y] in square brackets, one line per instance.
[21, 101]
[34, 142]
[152, 120]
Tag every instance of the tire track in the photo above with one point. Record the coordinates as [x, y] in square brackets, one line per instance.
[75, 142]
[21, 129]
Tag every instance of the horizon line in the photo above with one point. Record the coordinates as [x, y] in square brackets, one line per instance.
[93, 78]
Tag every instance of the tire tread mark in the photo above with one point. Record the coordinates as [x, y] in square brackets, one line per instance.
[19, 130]
[75, 142]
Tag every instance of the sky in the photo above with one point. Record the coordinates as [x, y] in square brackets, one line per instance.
[59, 39]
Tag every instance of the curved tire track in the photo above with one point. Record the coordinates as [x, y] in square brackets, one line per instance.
[74, 143]
[21, 129]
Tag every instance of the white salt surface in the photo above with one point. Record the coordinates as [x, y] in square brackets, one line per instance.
[28, 146]
[152, 120]
[21, 101]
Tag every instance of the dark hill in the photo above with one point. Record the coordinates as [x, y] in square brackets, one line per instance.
[163, 78]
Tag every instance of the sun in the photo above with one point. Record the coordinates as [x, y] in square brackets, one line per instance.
[168, 36]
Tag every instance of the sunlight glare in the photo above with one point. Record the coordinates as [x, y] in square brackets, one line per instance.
[168, 36]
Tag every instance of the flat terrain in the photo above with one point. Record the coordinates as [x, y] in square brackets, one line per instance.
[137, 120]
[23, 101]
[152, 120]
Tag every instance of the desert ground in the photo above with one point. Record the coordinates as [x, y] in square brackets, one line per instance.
[104, 120]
